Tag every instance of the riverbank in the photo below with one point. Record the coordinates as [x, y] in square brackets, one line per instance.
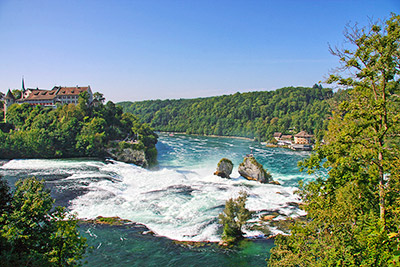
[219, 136]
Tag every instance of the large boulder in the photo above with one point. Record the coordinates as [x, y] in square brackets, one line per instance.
[129, 155]
[252, 170]
[224, 168]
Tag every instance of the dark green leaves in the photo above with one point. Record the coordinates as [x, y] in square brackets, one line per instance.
[234, 217]
[32, 233]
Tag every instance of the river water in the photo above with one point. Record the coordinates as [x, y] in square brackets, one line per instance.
[180, 200]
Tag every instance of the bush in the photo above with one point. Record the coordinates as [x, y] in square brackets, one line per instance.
[234, 217]
[32, 233]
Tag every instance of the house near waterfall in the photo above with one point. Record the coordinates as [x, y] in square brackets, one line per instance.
[301, 141]
[58, 95]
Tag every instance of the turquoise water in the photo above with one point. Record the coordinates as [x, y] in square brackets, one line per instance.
[127, 246]
[180, 200]
[190, 152]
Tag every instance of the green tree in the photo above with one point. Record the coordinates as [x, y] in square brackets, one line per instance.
[234, 217]
[353, 219]
[72, 131]
[99, 97]
[16, 93]
[371, 116]
[247, 114]
[33, 233]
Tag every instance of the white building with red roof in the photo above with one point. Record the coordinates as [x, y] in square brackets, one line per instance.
[59, 95]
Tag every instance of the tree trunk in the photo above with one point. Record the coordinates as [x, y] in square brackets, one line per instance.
[382, 209]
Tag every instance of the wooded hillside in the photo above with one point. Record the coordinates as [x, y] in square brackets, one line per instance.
[253, 114]
[81, 130]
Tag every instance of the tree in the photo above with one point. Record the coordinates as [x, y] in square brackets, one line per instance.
[99, 97]
[17, 93]
[33, 233]
[71, 131]
[253, 114]
[362, 155]
[234, 217]
[371, 115]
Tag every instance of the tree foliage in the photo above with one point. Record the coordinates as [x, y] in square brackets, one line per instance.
[32, 233]
[255, 114]
[234, 217]
[81, 130]
[353, 214]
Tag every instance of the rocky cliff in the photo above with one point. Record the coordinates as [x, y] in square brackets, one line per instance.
[129, 155]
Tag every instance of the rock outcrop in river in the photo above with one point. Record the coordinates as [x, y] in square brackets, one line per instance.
[252, 170]
[224, 168]
[129, 155]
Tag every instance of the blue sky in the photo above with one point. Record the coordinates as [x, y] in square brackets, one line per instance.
[159, 49]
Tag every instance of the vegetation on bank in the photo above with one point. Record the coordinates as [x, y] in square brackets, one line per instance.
[81, 130]
[353, 215]
[254, 114]
[32, 232]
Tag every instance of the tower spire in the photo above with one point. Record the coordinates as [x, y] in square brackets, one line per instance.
[23, 84]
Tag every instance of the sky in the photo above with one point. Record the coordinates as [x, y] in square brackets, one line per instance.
[170, 49]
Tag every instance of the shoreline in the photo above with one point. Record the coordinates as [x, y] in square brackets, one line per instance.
[217, 136]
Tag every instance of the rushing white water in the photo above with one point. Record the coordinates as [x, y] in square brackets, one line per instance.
[181, 200]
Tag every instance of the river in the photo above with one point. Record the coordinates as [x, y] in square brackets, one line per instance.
[180, 200]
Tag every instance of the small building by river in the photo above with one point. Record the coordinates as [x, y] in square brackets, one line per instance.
[301, 141]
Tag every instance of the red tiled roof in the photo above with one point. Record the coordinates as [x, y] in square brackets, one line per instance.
[303, 134]
[71, 90]
[40, 94]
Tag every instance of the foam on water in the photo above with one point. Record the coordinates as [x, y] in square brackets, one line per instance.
[182, 199]
[176, 204]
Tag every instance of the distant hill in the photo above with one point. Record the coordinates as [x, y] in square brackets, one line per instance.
[253, 114]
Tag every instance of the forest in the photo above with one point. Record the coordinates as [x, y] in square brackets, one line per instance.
[353, 215]
[253, 114]
[82, 130]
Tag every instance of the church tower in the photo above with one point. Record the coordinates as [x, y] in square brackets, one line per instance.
[23, 88]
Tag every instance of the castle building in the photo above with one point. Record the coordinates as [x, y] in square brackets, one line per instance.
[57, 95]
[49, 98]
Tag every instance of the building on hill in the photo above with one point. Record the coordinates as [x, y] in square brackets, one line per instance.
[57, 95]
[49, 98]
